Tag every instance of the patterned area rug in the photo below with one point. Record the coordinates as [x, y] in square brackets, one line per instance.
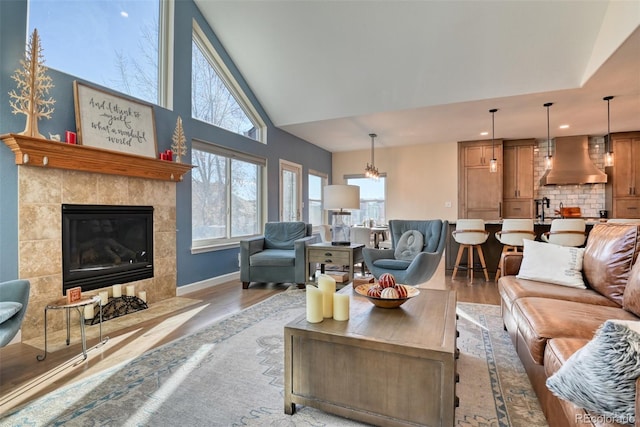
[231, 374]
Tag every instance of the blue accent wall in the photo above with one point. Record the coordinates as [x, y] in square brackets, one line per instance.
[191, 267]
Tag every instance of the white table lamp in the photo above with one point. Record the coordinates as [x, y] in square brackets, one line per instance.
[338, 198]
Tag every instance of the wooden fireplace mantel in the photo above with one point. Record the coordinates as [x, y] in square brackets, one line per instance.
[30, 151]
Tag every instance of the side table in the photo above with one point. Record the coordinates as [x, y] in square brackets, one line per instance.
[326, 253]
[62, 304]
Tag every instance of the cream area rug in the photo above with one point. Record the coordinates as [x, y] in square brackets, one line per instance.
[231, 374]
[58, 340]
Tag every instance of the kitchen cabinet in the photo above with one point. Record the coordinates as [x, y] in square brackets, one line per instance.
[623, 186]
[518, 178]
[480, 191]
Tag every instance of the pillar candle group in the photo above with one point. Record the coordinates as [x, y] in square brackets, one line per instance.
[323, 302]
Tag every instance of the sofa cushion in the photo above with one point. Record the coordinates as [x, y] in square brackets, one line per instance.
[273, 258]
[601, 376]
[392, 264]
[540, 319]
[559, 350]
[512, 288]
[631, 296]
[8, 309]
[409, 245]
[281, 235]
[552, 263]
[610, 253]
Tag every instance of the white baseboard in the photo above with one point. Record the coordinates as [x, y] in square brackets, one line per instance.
[182, 290]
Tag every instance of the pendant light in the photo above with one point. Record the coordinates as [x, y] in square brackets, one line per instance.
[371, 171]
[493, 164]
[608, 157]
[548, 159]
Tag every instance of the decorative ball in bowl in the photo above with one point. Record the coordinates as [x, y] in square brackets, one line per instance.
[391, 297]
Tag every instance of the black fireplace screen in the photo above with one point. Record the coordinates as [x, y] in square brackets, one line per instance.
[105, 245]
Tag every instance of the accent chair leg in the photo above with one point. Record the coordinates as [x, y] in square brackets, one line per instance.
[300, 285]
[245, 285]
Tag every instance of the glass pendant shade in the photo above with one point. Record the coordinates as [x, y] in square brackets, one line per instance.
[608, 159]
[371, 171]
[493, 166]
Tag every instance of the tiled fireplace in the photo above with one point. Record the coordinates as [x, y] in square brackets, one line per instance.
[41, 194]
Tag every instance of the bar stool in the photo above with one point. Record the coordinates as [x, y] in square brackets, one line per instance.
[512, 235]
[566, 232]
[470, 234]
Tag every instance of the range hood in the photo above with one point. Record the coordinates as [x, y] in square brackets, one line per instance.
[572, 165]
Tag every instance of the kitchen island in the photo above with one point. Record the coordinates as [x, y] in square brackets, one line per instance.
[492, 248]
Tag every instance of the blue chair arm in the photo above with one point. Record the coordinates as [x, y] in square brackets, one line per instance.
[422, 267]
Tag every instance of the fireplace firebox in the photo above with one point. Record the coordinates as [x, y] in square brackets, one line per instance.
[104, 245]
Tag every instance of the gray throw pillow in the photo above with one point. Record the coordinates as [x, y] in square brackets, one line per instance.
[409, 245]
[600, 377]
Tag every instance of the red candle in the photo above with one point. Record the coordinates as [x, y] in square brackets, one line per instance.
[70, 137]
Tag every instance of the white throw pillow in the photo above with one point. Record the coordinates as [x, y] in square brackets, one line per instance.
[551, 263]
[601, 376]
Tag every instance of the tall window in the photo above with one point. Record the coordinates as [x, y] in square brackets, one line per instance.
[216, 98]
[372, 199]
[121, 45]
[226, 195]
[317, 181]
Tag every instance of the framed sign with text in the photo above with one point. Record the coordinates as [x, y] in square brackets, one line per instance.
[113, 122]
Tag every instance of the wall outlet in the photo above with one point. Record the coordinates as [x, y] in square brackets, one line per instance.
[447, 204]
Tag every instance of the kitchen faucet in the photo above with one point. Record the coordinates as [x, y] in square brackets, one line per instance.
[540, 207]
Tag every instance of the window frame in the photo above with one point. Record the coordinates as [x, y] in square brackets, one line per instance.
[362, 176]
[215, 60]
[324, 181]
[165, 59]
[213, 244]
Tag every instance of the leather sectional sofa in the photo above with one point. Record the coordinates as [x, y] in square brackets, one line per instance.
[548, 322]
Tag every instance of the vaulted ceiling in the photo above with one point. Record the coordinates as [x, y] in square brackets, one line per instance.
[418, 72]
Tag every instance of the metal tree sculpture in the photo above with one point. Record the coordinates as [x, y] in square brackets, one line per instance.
[178, 147]
[33, 85]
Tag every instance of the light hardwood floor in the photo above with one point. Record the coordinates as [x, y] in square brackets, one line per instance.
[23, 378]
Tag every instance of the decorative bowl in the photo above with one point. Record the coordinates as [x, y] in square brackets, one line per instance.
[386, 302]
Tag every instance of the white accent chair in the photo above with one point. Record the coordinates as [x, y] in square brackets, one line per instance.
[566, 232]
[470, 234]
[512, 236]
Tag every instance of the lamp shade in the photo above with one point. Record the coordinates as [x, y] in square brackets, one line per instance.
[338, 197]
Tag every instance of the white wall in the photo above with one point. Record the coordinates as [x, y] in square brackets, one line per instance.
[420, 178]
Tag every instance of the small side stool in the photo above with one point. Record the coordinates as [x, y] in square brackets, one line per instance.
[470, 234]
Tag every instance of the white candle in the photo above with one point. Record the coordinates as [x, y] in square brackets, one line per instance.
[314, 304]
[142, 295]
[130, 291]
[104, 297]
[341, 306]
[88, 311]
[327, 285]
[117, 291]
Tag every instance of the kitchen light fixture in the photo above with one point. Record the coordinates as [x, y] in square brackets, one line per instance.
[548, 159]
[493, 164]
[608, 157]
[338, 198]
[371, 171]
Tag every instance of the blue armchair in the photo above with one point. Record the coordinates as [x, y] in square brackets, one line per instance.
[414, 268]
[14, 298]
[278, 256]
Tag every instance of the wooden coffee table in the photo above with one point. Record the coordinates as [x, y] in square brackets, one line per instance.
[389, 367]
